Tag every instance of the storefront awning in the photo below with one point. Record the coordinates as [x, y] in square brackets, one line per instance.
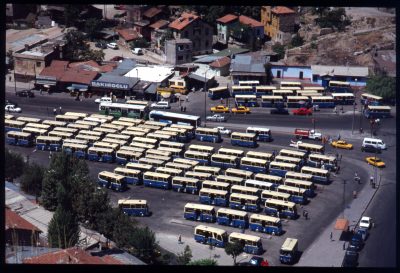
[79, 86]
[342, 224]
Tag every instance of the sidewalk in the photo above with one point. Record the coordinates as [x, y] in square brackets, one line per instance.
[327, 253]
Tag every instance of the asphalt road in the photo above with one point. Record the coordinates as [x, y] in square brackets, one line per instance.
[167, 206]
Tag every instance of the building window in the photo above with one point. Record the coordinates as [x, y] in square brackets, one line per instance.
[180, 47]
[38, 64]
[301, 75]
[314, 78]
[278, 74]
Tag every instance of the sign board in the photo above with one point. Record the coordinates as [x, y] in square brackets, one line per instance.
[110, 85]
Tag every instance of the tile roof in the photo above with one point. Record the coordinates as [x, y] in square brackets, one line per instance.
[159, 24]
[250, 21]
[227, 18]
[151, 12]
[71, 255]
[282, 10]
[221, 62]
[56, 69]
[76, 75]
[93, 66]
[128, 34]
[183, 21]
[14, 221]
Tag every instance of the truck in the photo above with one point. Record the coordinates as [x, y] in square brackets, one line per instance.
[216, 117]
[307, 133]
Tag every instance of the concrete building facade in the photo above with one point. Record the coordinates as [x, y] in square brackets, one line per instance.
[279, 23]
[178, 51]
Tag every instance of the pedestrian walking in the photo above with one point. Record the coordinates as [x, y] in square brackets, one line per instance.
[41, 91]
[354, 194]
[50, 155]
[344, 245]
[60, 110]
[9, 78]
[184, 108]
[180, 239]
[341, 109]
[187, 98]
[371, 180]
[222, 101]
[181, 108]
[55, 111]
[331, 235]
[306, 215]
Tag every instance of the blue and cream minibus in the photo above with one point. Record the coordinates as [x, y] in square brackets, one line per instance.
[123, 156]
[13, 125]
[264, 90]
[279, 208]
[208, 134]
[48, 143]
[369, 99]
[232, 180]
[185, 184]
[318, 160]
[274, 179]
[112, 181]
[377, 112]
[132, 176]
[101, 154]
[239, 173]
[263, 134]
[265, 194]
[214, 197]
[339, 87]
[224, 161]
[218, 92]
[133, 207]
[260, 185]
[343, 98]
[244, 202]
[273, 101]
[75, 149]
[265, 224]
[19, 138]
[296, 101]
[319, 175]
[254, 165]
[215, 171]
[280, 168]
[157, 180]
[234, 218]
[323, 101]
[251, 244]
[244, 139]
[202, 158]
[246, 100]
[199, 212]
[308, 186]
[297, 195]
[210, 236]
[211, 184]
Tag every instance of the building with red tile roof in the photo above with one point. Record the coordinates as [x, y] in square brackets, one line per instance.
[157, 31]
[279, 22]
[127, 34]
[227, 23]
[19, 231]
[73, 255]
[192, 27]
[221, 66]
[227, 18]
[249, 21]
[151, 12]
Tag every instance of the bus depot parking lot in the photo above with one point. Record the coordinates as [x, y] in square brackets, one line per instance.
[167, 206]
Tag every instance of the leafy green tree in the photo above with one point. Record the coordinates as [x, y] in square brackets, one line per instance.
[319, 10]
[106, 220]
[185, 256]
[75, 46]
[63, 231]
[144, 241]
[93, 54]
[92, 26]
[204, 262]
[297, 40]
[279, 49]
[31, 180]
[335, 18]
[49, 190]
[234, 250]
[382, 85]
[14, 163]
[71, 14]
[123, 230]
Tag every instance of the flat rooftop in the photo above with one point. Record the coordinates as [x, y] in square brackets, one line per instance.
[151, 73]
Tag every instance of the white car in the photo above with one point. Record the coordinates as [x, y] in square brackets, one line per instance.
[294, 144]
[161, 105]
[365, 222]
[112, 45]
[12, 108]
[103, 99]
[137, 51]
[224, 131]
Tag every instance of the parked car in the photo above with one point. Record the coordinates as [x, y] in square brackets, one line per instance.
[103, 99]
[224, 131]
[112, 45]
[350, 259]
[241, 110]
[342, 144]
[25, 93]
[219, 109]
[216, 117]
[12, 108]
[137, 51]
[375, 161]
[161, 105]
[302, 111]
[258, 261]
[365, 222]
[279, 111]
[101, 45]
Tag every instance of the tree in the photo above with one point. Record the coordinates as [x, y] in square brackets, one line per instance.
[63, 231]
[279, 49]
[14, 163]
[123, 230]
[71, 14]
[204, 262]
[75, 46]
[93, 54]
[268, 73]
[92, 26]
[297, 40]
[31, 180]
[144, 241]
[185, 256]
[382, 85]
[49, 190]
[234, 250]
[335, 18]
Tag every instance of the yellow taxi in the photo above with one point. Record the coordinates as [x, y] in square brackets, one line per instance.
[342, 144]
[220, 109]
[241, 110]
[375, 161]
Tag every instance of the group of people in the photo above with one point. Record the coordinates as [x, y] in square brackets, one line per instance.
[55, 110]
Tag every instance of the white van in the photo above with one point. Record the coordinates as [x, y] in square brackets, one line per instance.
[374, 142]
[137, 51]
[161, 104]
[103, 99]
